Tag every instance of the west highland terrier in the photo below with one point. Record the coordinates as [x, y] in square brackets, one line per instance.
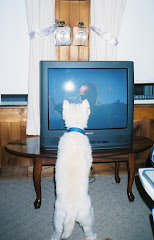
[73, 203]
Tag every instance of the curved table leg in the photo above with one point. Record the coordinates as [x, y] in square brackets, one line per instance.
[37, 180]
[131, 174]
[117, 178]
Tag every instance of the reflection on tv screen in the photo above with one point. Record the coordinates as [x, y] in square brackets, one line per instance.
[105, 89]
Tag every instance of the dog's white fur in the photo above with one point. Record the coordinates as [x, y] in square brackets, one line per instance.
[73, 164]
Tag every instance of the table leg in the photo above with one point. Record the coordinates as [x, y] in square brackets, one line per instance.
[117, 178]
[37, 180]
[131, 174]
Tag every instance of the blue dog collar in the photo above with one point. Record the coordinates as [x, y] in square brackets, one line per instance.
[76, 130]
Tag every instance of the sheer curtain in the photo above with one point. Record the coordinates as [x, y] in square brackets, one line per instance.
[107, 16]
[40, 15]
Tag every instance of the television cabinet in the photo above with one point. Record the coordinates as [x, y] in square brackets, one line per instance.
[30, 147]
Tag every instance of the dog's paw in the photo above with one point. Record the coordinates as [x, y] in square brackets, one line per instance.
[54, 237]
[92, 236]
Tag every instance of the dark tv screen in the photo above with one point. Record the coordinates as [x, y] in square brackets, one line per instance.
[105, 89]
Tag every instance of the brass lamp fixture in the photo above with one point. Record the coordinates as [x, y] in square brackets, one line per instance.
[63, 35]
[80, 35]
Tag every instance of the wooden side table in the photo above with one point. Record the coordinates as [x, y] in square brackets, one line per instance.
[30, 147]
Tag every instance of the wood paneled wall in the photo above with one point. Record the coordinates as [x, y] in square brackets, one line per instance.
[13, 127]
[143, 126]
[73, 12]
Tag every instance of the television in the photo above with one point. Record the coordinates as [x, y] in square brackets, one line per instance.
[107, 85]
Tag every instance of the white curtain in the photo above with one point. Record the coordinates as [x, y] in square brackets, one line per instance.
[106, 15]
[40, 15]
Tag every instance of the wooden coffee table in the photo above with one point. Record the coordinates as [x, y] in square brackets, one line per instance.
[30, 147]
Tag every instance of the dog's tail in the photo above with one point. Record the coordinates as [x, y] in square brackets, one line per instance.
[68, 226]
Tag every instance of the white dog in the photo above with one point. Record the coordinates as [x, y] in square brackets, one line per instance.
[73, 204]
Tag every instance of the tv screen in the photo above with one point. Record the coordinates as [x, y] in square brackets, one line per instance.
[105, 90]
[108, 86]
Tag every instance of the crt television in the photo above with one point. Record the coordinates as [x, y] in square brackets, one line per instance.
[107, 85]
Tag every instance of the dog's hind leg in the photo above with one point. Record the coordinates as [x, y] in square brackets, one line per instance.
[59, 217]
[68, 226]
[86, 219]
[87, 224]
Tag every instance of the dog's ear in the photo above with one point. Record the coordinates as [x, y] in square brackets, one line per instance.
[65, 104]
[86, 105]
[65, 108]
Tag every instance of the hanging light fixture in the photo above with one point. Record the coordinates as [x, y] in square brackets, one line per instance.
[63, 35]
[80, 35]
